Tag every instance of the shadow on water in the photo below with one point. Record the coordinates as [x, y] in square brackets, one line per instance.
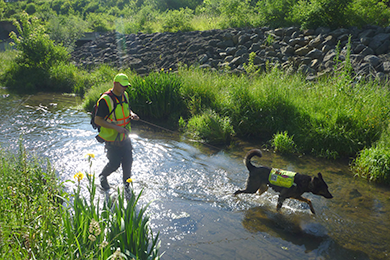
[300, 230]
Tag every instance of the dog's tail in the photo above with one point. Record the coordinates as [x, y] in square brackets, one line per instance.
[248, 157]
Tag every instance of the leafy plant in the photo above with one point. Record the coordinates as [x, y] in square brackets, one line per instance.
[210, 127]
[31, 200]
[270, 40]
[177, 20]
[236, 13]
[37, 50]
[283, 143]
[38, 220]
[119, 228]
[373, 164]
[66, 30]
[250, 67]
[36, 57]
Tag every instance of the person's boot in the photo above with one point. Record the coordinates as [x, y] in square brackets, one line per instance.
[128, 190]
[104, 183]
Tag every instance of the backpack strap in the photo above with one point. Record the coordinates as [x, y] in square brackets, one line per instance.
[114, 99]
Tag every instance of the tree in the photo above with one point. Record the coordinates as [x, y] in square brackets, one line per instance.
[37, 49]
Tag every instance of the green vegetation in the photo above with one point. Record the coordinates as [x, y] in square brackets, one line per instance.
[39, 64]
[70, 17]
[35, 225]
[283, 143]
[210, 127]
[332, 118]
[373, 163]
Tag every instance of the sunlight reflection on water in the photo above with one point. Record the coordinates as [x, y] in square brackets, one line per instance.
[190, 189]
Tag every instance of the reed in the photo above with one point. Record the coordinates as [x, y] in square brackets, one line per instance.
[157, 96]
[30, 202]
[35, 224]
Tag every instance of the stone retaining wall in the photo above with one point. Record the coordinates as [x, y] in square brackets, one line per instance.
[312, 52]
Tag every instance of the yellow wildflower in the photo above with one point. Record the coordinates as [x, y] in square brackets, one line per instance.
[79, 176]
[90, 155]
[129, 180]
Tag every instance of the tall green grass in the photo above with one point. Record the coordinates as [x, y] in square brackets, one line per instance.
[333, 117]
[329, 118]
[373, 163]
[35, 224]
[119, 228]
[30, 197]
[157, 96]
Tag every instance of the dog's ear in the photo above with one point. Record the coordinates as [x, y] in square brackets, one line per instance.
[320, 176]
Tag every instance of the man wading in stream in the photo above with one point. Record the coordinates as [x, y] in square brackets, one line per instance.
[113, 116]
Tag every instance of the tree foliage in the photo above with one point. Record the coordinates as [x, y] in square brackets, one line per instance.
[226, 13]
[36, 48]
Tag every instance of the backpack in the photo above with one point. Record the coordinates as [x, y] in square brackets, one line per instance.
[95, 107]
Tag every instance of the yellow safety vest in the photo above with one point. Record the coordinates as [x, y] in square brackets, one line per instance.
[281, 178]
[120, 117]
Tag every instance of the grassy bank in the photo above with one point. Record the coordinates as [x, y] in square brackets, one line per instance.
[330, 118]
[37, 220]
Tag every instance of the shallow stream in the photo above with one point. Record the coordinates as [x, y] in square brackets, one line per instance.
[190, 188]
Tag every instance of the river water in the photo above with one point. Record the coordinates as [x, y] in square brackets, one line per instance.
[190, 188]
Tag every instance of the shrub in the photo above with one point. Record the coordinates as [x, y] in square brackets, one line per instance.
[283, 143]
[37, 55]
[101, 22]
[274, 12]
[210, 127]
[373, 164]
[311, 14]
[37, 50]
[141, 21]
[177, 20]
[31, 8]
[373, 12]
[66, 30]
[236, 13]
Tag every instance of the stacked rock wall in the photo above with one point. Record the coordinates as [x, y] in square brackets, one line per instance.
[312, 52]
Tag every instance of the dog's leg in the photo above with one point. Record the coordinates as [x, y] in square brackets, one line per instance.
[252, 186]
[263, 188]
[281, 199]
[300, 198]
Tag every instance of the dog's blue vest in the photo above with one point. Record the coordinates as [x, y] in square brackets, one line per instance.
[281, 178]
